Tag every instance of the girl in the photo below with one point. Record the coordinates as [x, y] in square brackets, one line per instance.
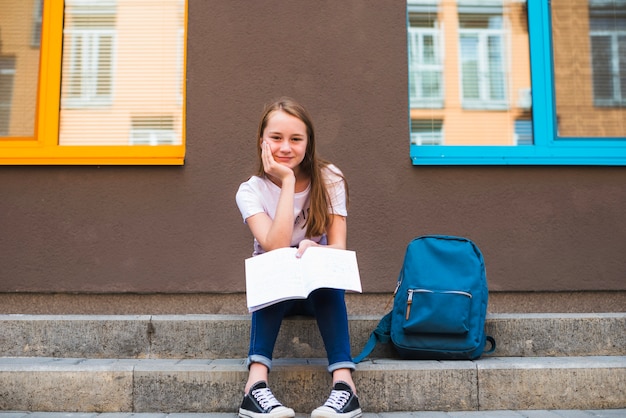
[297, 200]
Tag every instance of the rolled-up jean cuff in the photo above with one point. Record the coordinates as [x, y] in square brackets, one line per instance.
[341, 365]
[256, 358]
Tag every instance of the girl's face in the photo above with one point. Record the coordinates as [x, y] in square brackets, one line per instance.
[287, 137]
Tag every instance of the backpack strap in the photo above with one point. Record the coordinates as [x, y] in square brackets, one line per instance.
[382, 334]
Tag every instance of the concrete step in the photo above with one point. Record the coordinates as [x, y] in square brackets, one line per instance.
[558, 413]
[226, 336]
[192, 385]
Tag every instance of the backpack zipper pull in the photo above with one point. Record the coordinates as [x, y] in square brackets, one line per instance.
[409, 301]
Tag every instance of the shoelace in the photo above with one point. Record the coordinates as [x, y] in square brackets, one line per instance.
[265, 397]
[338, 399]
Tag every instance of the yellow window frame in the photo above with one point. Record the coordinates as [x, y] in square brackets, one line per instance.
[43, 148]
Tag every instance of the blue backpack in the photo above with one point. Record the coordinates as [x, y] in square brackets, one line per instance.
[440, 303]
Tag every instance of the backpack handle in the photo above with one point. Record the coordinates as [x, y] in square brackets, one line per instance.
[492, 342]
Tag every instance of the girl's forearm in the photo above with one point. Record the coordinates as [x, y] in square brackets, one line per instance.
[281, 229]
[337, 232]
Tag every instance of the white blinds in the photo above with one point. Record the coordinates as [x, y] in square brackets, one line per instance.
[122, 72]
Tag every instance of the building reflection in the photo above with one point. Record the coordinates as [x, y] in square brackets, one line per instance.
[470, 79]
[590, 67]
[122, 71]
[20, 34]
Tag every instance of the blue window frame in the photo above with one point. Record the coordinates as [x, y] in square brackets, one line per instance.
[547, 148]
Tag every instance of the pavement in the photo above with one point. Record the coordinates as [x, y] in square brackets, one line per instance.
[604, 413]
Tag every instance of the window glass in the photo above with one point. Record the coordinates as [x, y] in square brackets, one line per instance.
[524, 132]
[122, 65]
[590, 67]
[20, 25]
[92, 82]
[426, 132]
[530, 81]
[153, 131]
[482, 60]
[469, 68]
[37, 20]
[425, 62]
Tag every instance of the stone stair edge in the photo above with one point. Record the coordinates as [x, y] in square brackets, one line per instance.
[546, 413]
[236, 317]
[207, 364]
[211, 336]
[144, 385]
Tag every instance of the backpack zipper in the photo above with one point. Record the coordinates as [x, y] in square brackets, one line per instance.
[409, 300]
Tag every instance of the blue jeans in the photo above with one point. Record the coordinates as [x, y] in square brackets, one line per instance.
[329, 309]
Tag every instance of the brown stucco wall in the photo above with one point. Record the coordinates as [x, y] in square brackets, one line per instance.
[178, 230]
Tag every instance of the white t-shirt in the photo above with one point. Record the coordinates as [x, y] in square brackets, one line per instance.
[259, 194]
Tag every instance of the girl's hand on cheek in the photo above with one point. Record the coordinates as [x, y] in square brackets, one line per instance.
[270, 165]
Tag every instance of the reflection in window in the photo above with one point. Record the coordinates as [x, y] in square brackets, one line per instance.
[425, 64]
[426, 132]
[89, 38]
[589, 38]
[483, 73]
[573, 114]
[607, 29]
[122, 58]
[37, 19]
[7, 74]
[524, 132]
[19, 68]
[469, 69]
[150, 130]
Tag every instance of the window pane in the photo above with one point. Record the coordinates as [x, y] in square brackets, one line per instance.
[621, 45]
[524, 132]
[470, 67]
[482, 53]
[590, 67]
[425, 65]
[473, 57]
[426, 132]
[496, 68]
[601, 67]
[429, 55]
[122, 72]
[20, 23]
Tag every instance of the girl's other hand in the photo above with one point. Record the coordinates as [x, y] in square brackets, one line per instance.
[304, 244]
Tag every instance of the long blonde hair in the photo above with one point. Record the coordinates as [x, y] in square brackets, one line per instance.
[319, 218]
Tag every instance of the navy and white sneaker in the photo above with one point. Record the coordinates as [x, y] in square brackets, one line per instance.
[260, 402]
[342, 403]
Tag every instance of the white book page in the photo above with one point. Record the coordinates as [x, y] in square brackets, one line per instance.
[329, 267]
[278, 275]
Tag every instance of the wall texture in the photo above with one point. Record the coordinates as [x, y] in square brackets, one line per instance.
[177, 229]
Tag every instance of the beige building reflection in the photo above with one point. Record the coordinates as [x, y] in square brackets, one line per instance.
[590, 67]
[122, 71]
[469, 70]
[20, 33]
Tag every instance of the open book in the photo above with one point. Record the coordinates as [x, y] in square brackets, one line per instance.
[278, 275]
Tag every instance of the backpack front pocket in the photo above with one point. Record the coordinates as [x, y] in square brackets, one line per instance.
[437, 311]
